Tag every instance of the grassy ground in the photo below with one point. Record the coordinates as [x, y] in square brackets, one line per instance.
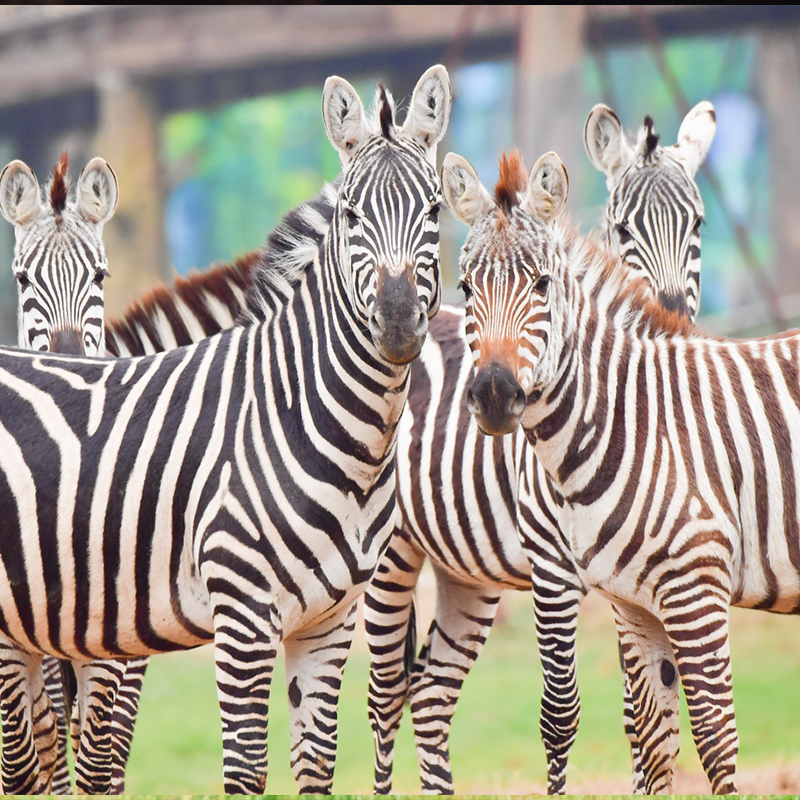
[495, 740]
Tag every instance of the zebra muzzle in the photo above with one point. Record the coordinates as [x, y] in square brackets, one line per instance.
[496, 400]
[399, 321]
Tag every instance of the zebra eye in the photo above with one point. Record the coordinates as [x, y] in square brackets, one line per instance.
[698, 222]
[466, 288]
[100, 274]
[540, 287]
[623, 233]
[433, 212]
[22, 279]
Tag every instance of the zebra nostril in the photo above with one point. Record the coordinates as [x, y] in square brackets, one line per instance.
[518, 403]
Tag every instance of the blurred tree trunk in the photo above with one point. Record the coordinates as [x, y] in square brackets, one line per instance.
[128, 138]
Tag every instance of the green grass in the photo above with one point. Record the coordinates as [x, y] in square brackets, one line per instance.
[495, 740]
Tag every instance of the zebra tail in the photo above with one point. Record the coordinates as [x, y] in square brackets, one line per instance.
[70, 684]
[410, 654]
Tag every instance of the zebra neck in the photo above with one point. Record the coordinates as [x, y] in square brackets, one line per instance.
[332, 368]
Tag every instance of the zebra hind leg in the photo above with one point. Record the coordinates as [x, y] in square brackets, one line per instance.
[652, 677]
[98, 684]
[695, 617]
[464, 618]
[315, 664]
[54, 686]
[390, 629]
[123, 721]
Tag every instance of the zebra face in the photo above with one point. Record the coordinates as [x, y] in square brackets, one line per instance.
[654, 211]
[386, 221]
[506, 267]
[59, 259]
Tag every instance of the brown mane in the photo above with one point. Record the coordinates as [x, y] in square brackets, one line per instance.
[513, 180]
[386, 115]
[629, 289]
[59, 187]
[142, 316]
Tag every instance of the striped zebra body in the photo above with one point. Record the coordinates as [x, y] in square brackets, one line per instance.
[60, 265]
[677, 460]
[262, 456]
[471, 505]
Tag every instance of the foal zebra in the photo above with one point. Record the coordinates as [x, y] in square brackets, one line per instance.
[249, 479]
[459, 495]
[59, 265]
[677, 460]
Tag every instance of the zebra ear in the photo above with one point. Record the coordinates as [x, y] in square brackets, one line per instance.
[20, 198]
[695, 136]
[548, 187]
[98, 191]
[606, 145]
[465, 195]
[430, 109]
[344, 117]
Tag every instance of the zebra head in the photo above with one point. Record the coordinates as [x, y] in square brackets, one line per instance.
[654, 209]
[506, 266]
[59, 258]
[386, 220]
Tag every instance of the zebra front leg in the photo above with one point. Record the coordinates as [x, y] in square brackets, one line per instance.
[695, 618]
[391, 636]
[98, 684]
[464, 617]
[556, 606]
[54, 686]
[21, 766]
[122, 724]
[651, 676]
[315, 661]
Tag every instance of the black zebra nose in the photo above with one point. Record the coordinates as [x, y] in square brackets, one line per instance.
[496, 400]
[67, 341]
[399, 321]
[674, 302]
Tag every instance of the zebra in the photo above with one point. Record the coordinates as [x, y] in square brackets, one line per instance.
[60, 266]
[263, 456]
[677, 460]
[460, 497]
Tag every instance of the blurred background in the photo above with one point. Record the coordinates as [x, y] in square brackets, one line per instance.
[210, 117]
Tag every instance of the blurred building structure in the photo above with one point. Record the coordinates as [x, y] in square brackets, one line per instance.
[105, 80]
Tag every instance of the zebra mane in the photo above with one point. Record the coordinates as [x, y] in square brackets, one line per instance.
[168, 316]
[58, 190]
[647, 143]
[615, 290]
[291, 248]
[512, 182]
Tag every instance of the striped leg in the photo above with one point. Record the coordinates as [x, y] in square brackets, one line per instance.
[556, 630]
[696, 620]
[629, 722]
[54, 686]
[315, 664]
[98, 684]
[652, 674]
[26, 716]
[464, 617]
[124, 719]
[388, 606]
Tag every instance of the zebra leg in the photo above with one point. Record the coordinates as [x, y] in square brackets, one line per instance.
[556, 605]
[54, 686]
[464, 617]
[21, 767]
[315, 661]
[391, 634]
[629, 723]
[122, 723]
[696, 621]
[98, 684]
[651, 673]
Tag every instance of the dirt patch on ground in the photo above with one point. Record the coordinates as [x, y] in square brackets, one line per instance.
[776, 779]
